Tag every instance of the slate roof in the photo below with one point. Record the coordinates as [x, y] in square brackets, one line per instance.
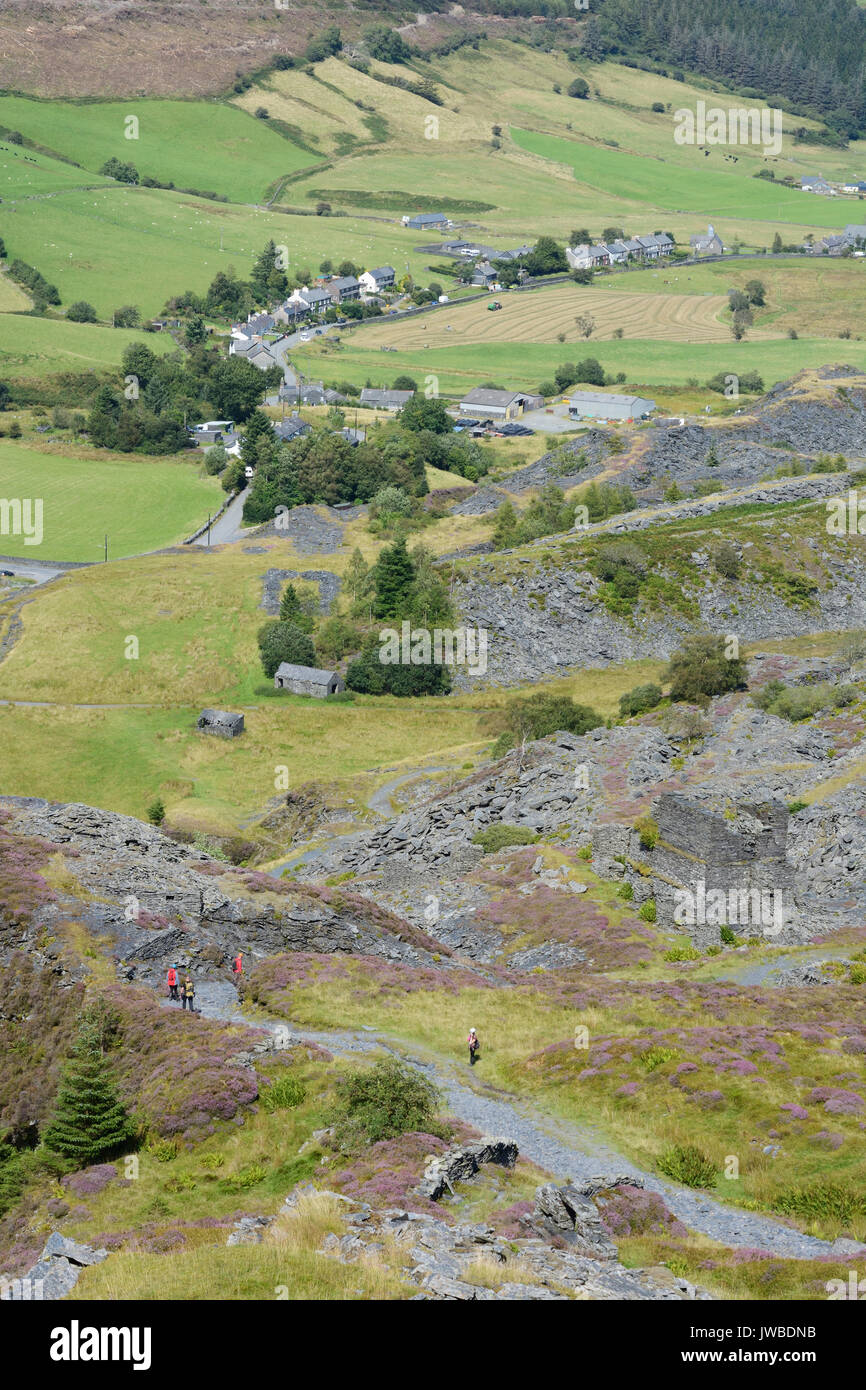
[312, 674]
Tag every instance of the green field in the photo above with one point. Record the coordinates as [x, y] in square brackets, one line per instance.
[665, 184]
[24, 173]
[523, 365]
[140, 503]
[194, 144]
[120, 245]
[31, 346]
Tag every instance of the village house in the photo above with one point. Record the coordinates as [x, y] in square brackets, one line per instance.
[486, 404]
[707, 244]
[618, 251]
[292, 428]
[375, 399]
[656, 244]
[832, 244]
[597, 405]
[587, 257]
[343, 288]
[308, 680]
[314, 301]
[290, 312]
[855, 234]
[378, 280]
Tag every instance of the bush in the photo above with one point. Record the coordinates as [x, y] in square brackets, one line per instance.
[81, 312]
[500, 836]
[383, 1102]
[156, 811]
[795, 806]
[681, 953]
[701, 669]
[163, 1150]
[728, 936]
[283, 1094]
[280, 642]
[825, 1201]
[639, 700]
[656, 1057]
[648, 831]
[689, 1165]
[647, 911]
[579, 88]
[537, 716]
[625, 891]
[727, 561]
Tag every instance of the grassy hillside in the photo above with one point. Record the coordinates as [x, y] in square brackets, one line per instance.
[192, 144]
[140, 503]
[39, 347]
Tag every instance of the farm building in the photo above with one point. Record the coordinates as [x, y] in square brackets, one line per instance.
[597, 405]
[220, 722]
[814, 183]
[375, 399]
[424, 221]
[308, 680]
[487, 404]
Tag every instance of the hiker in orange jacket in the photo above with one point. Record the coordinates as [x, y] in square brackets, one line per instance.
[238, 966]
[172, 982]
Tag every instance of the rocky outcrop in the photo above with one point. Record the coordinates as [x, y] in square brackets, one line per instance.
[462, 1163]
[164, 903]
[459, 1263]
[56, 1272]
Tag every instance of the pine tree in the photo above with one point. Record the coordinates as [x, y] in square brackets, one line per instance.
[89, 1120]
[394, 573]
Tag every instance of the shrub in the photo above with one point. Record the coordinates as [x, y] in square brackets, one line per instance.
[727, 561]
[280, 642]
[639, 700]
[656, 1057]
[795, 806]
[585, 852]
[537, 716]
[156, 811]
[500, 836]
[701, 669]
[647, 911]
[648, 831]
[826, 1201]
[383, 1102]
[680, 953]
[163, 1150]
[626, 891]
[81, 312]
[728, 936]
[283, 1094]
[687, 1164]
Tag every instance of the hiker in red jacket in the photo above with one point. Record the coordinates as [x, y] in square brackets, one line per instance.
[172, 982]
[238, 966]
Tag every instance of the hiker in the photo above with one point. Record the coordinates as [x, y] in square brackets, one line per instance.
[189, 995]
[472, 1040]
[238, 966]
[172, 982]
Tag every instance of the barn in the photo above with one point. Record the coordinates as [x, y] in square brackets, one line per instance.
[598, 405]
[308, 680]
[220, 722]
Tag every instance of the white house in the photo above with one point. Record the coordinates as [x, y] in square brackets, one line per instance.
[375, 281]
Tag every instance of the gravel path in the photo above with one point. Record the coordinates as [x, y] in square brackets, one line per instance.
[564, 1150]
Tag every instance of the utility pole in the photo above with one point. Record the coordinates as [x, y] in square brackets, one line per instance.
[105, 561]
[208, 527]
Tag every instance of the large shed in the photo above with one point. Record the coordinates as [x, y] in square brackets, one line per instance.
[308, 680]
[220, 722]
[598, 405]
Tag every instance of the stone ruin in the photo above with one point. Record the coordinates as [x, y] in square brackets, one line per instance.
[730, 859]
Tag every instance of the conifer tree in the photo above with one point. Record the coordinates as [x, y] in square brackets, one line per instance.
[89, 1120]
